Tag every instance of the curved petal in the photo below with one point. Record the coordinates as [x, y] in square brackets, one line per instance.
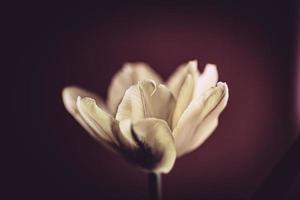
[129, 75]
[125, 136]
[149, 144]
[131, 106]
[206, 80]
[184, 98]
[209, 124]
[69, 96]
[201, 111]
[145, 100]
[177, 79]
[100, 122]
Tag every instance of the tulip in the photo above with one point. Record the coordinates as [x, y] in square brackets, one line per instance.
[148, 122]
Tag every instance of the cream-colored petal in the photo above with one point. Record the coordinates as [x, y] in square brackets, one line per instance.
[69, 96]
[146, 99]
[177, 79]
[209, 124]
[125, 136]
[98, 120]
[158, 100]
[199, 111]
[206, 80]
[184, 98]
[131, 106]
[129, 75]
[154, 148]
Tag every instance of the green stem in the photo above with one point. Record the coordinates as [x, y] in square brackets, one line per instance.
[154, 186]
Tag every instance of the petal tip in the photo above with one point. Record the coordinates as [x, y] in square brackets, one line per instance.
[68, 98]
[193, 61]
[67, 91]
[223, 85]
[210, 66]
[192, 65]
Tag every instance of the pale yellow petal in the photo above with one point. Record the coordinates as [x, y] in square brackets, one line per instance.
[208, 125]
[125, 136]
[69, 96]
[143, 71]
[129, 75]
[131, 106]
[159, 102]
[155, 149]
[146, 99]
[177, 79]
[206, 80]
[213, 101]
[184, 98]
[98, 120]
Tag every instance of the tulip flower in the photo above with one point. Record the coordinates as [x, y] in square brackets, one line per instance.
[149, 122]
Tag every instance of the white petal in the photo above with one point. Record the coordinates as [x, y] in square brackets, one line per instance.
[69, 96]
[145, 100]
[206, 80]
[177, 79]
[129, 75]
[98, 120]
[131, 106]
[209, 124]
[125, 136]
[184, 98]
[201, 112]
[155, 150]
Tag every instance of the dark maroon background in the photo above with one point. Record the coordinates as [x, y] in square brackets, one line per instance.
[58, 44]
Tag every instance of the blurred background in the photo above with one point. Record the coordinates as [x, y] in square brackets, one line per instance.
[56, 44]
